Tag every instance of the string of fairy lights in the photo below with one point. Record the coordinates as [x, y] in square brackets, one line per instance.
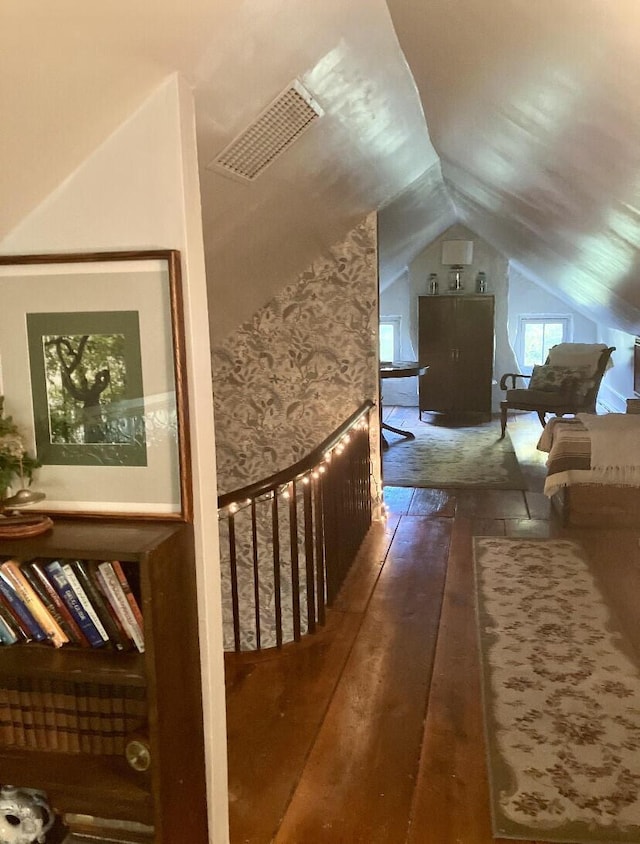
[306, 478]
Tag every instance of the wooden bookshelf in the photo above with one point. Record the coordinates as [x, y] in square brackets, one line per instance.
[74, 711]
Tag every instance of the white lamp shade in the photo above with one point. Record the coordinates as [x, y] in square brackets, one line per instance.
[457, 252]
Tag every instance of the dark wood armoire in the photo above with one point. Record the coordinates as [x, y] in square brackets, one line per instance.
[456, 342]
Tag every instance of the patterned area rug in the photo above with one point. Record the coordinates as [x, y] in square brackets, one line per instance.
[561, 697]
[454, 457]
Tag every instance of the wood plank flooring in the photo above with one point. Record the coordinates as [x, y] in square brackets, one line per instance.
[371, 730]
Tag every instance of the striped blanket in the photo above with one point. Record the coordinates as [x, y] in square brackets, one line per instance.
[568, 443]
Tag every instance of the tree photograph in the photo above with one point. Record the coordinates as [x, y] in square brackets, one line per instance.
[86, 383]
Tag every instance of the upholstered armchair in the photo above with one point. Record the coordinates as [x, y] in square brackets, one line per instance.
[568, 382]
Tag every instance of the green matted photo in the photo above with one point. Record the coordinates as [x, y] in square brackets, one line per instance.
[87, 390]
[92, 369]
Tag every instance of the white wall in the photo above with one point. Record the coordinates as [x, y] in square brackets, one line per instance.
[140, 190]
[396, 300]
[617, 385]
[527, 297]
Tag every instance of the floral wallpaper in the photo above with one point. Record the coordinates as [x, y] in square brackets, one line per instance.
[305, 362]
[288, 378]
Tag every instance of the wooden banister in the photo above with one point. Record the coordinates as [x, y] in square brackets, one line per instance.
[288, 561]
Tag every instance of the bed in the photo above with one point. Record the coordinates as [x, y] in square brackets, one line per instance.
[593, 469]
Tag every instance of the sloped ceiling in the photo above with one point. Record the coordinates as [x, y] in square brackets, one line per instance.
[370, 144]
[532, 109]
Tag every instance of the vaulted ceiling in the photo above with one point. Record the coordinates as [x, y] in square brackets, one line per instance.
[534, 110]
[520, 119]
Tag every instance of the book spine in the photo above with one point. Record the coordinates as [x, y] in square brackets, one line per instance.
[26, 712]
[72, 693]
[6, 721]
[104, 591]
[33, 602]
[44, 597]
[96, 738]
[20, 609]
[13, 620]
[126, 588]
[7, 635]
[84, 722]
[62, 586]
[36, 572]
[121, 605]
[37, 713]
[85, 574]
[62, 715]
[17, 722]
[84, 600]
[49, 711]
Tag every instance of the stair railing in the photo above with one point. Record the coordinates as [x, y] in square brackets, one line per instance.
[288, 541]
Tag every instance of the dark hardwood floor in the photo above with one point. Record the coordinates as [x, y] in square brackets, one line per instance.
[371, 730]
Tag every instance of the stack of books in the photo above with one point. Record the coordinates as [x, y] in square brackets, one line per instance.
[83, 603]
[70, 717]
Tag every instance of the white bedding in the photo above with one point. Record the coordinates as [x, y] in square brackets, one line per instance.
[570, 444]
[615, 444]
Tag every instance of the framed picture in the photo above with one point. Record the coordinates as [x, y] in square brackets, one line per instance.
[92, 371]
[636, 367]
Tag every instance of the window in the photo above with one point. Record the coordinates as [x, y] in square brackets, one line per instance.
[537, 334]
[389, 338]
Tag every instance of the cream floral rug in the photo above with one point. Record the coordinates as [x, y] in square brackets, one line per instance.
[561, 697]
[455, 457]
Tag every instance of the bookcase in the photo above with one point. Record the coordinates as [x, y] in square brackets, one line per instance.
[114, 738]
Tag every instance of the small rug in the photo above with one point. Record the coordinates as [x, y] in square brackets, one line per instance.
[561, 693]
[454, 457]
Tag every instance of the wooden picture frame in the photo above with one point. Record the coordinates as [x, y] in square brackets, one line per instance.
[92, 368]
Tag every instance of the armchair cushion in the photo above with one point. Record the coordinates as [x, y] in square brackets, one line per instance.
[584, 381]
[528, 399]
[571, 381]
[550, 379]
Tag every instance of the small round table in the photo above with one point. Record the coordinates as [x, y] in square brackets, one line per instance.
[401, 369]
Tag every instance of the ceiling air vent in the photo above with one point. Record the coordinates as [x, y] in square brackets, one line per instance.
[277, 127]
